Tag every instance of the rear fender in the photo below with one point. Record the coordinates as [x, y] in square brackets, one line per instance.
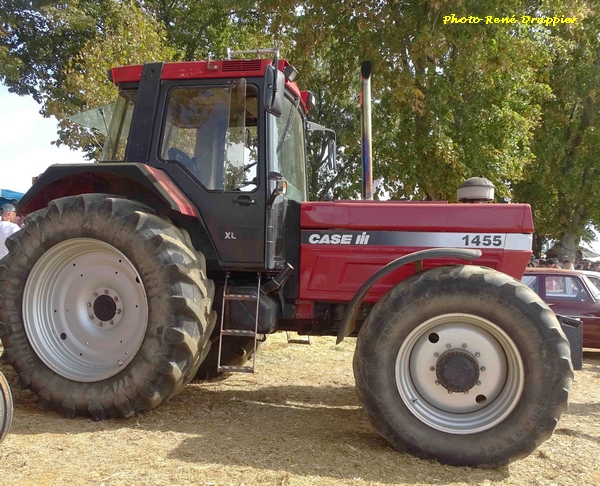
[352, 310]
[148, 185]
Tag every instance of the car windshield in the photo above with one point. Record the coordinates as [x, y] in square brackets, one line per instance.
[595, 281]
[593, 284]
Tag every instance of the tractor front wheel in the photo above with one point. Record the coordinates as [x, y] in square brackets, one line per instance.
[463, 365]
[107, 307]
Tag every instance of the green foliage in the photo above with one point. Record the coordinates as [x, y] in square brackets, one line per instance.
[201, 28]
[563, 185]
[60, 53]
[512, 102]
[450, 101]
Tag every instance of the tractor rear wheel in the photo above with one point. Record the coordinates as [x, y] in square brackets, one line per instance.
[6, 407]
[107, 308]
[464, 365]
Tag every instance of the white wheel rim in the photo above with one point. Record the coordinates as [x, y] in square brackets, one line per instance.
[5, 410]
[67, 286]
[491, 396]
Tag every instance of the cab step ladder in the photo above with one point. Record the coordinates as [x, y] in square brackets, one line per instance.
[298, 340]
[238, 332]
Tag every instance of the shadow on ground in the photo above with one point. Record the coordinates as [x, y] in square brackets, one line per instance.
[583, 409]
[301, 430]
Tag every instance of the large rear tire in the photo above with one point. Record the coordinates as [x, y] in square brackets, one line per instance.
[107, 308]
[6, 407]
[463, 365]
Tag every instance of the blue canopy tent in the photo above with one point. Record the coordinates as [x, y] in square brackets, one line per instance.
[7, 196]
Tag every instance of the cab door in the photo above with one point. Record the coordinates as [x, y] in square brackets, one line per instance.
[210, 146]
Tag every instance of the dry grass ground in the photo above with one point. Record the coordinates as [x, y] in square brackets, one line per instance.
[295, 422]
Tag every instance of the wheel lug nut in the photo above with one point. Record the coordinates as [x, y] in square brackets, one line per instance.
[448, 345]
[118, 311]
[482, 368]
[112, 322]
[119, 362]
[436, 354]
[101, 324]
[437, 382]
[95, 294]
[431, 368]
[106, 291]
[464, 345]
[89, 304]
[449, 392]
[91, 316]
[478, 383]
[477, 354]
[116, 299]
[466, 392]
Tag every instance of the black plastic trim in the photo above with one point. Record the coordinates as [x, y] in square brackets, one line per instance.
[144, 114]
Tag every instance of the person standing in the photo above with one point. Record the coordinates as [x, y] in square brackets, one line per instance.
[8, 226]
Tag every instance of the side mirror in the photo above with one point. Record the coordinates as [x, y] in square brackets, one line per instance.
[274, 90]
[331, 153]
[280, 187]
[329, 146]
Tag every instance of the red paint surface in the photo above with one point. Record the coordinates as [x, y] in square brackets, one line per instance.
[586, 309]
[335, 272]
[304, 309]
[183, 203]
[411, 216]
[234, 68]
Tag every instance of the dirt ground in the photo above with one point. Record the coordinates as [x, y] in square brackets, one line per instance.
[295, 422]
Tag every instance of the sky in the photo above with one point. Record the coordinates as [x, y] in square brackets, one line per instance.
[26, 149]
[25, 142]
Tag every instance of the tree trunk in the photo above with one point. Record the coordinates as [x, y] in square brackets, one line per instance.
[567, 246]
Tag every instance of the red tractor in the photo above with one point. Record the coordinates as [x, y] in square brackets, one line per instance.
[192, 240]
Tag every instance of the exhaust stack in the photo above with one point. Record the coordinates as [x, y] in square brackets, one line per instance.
[365, 103]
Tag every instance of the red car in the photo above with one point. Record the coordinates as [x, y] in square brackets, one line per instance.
[569, 293]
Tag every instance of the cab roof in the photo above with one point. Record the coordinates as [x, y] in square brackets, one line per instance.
[217, 69]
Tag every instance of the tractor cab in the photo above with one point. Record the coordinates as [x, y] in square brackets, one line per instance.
[230, 134]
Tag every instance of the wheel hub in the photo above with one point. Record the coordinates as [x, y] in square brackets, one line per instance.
[105, 307]
[457, 371]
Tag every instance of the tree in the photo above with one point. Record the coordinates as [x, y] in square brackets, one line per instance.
[515, 103]
[450, 101]
[60, 53]
[563, 185]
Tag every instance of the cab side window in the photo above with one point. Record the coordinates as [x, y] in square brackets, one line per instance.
[212, 132]
[287, 150]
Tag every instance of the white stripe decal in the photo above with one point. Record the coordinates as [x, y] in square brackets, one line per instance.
[422, 239]
[518, 241]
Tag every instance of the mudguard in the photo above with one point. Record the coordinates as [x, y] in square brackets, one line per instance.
[349, 321]
[150, 185]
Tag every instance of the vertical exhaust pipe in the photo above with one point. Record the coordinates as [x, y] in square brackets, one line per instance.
[366, 151]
